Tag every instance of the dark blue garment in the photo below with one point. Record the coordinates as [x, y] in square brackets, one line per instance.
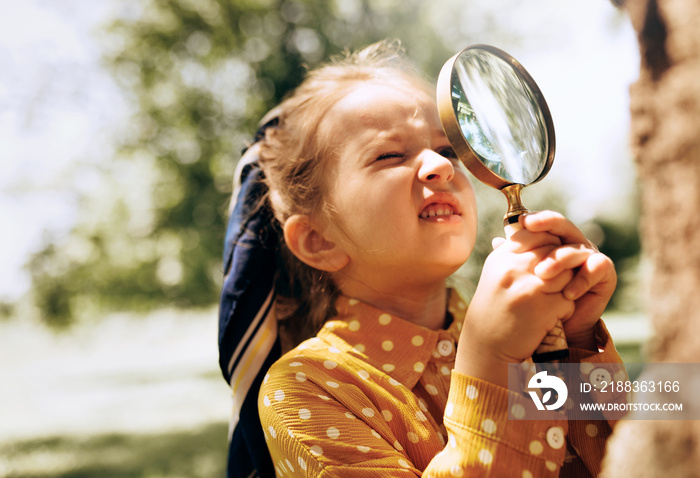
[250, 264]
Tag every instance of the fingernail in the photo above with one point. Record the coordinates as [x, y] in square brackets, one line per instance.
[571, 293]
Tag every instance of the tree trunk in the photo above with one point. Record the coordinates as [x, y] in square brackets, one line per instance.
[665, 108]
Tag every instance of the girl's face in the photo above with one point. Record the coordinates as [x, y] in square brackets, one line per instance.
[404, 207]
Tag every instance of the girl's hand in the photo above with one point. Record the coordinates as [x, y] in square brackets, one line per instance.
[513, 308]
[593, 283]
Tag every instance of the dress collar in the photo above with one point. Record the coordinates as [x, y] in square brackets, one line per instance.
[390, 343]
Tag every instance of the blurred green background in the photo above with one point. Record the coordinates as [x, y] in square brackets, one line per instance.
[122, 122]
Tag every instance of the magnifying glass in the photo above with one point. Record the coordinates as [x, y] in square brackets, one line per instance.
[499, 125]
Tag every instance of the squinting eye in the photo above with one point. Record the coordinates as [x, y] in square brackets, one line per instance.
[389, 156]
[448, 153]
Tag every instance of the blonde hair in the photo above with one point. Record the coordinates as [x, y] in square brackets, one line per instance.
[294, 159]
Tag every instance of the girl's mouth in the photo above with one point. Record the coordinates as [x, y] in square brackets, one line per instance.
[440, 209]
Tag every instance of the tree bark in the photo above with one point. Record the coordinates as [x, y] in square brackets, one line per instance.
[665, 137]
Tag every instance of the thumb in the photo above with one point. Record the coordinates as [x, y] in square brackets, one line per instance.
[496, 242]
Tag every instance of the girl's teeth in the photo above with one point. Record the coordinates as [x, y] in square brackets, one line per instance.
[433, 213]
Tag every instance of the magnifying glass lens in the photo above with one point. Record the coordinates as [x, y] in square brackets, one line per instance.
[500, 116]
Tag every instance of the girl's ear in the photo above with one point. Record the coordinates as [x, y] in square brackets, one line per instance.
[311, 246]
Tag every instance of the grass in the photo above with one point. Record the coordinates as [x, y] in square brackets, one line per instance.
[197, 453]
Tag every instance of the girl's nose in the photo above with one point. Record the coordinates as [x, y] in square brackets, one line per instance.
[435, 168]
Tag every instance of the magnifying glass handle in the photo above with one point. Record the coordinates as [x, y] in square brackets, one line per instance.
[554, 346]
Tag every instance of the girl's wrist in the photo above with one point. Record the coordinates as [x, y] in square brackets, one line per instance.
[482, 366]
[585, 340]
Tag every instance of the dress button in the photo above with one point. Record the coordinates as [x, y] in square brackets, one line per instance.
[555, 437]
[598, 376]
[445, 347]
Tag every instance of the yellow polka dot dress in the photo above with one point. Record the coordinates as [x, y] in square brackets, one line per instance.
[373, 395]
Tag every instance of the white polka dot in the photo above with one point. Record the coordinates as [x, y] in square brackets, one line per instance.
[586, 368]
[417, 340]
[368, 412]
[273, 433]
[387, 345]
[485, 456]
[384, 319]
[296, 364]
[354, 325]
[350, 415]
[394, 382]
[316, 450]
[266, 401]
[334, 350]
[330, 365]
[363, 374]
[412, 437]
[291, 433]
[362, 448]
[488, 425]
[302, 463]
[591, 430]
[456, 470]
[536, 447]
[279, 395]
[421, 416]
[422, 405]
[388, 367]
[304, 414]
[387, 415]
[398, 446]
[461, 305]
[419, 366]
[431, 389]
[441, 437]
[551, 466]
[403, 463]
[301, 376]
[472, 392]
[333, 433]
[377, 435]
[526, 474]
[449, 409]
[323, 397]
[267, 375]
[332, 384]
[359, 348]
[518, 411]
[353, 302]
[445, 370]
[289, 465]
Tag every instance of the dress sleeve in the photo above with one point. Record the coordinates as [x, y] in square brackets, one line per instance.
[588, 437]
[482, 441]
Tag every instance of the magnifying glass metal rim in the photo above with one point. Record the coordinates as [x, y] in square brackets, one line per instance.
[450, 124]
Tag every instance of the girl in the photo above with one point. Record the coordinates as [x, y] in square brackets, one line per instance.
[401, 378]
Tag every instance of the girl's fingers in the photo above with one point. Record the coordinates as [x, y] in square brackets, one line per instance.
[597, 273]
[555, 224]
[562, 258]
[524, 240]
[558, 283]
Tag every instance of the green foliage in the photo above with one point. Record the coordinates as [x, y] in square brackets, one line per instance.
[200, 75]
